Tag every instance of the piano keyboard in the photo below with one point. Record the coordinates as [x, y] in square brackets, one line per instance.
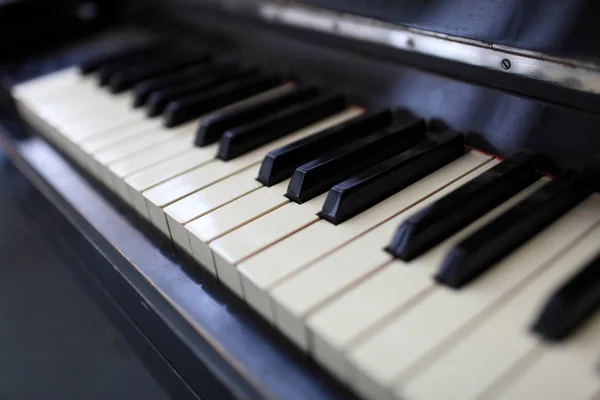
[406, 264]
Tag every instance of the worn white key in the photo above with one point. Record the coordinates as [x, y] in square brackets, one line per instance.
[231, 249]
[290, 300]
[563, 371]
[385, 360]
[202, 231]
[49, 83]
[69, 116]
[336, 326]
[204, 201]
[493, 348]
[266, 269]
[151, 156]
[99, 142]
[163, 171]
[130, 146]
[183, 185]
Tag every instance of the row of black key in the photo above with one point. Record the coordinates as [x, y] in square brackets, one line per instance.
[361, 163]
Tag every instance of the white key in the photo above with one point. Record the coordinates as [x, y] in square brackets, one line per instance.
[99, 124]
[202, 231]
[177, 188]
[163, 171]
[49, 83]
[290, 299]
[152, 155]
[494, 347]
[99, 142]
[336, 326]
[565, 371]
[383, 361]
[204, 201]
[133, 145]
[231, 249]
[266, 269]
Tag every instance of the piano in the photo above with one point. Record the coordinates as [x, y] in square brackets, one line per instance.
[317, 200]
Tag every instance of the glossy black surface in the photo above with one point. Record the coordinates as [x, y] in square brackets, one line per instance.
[320, 175]
[456, 210]
[375, 184]
[571, 305]
[559, 27]
[280, 163]
[500, 237]
[62, 338]
[242, 139]
[129, 53]
[144, 89]
[128, 78]
[190, 107]
[213, 127]
[159, 99]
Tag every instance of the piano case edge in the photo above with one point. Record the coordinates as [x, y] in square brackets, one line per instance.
[206, 335]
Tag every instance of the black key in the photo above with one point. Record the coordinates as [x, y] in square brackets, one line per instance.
[320, 175]
[144, 89]
[571, 305]
[242, 139]
[126, 79]
[107, 70]
[158, 101]
[280, 164]
[186, 109]
[212, 128]
[458, 209]
[375, 184]
[144, 59]
[94, 64]
[482, 249]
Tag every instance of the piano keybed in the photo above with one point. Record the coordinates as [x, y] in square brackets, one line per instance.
[406, 264]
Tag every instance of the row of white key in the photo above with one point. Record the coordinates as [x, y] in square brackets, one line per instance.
[377, 323]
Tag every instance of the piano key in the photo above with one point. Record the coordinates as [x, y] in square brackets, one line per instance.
[482, 358]
[174, 189]
[375, 184]
[158, 101]
[234, 247]
[571, 305]
[107, 70]
[292, 307]
[144, 89]
[92, 65]
[336, 329]
[138, 182]
[153, 155]
[211, 129]
[207, 200]
[561, 372]
[134, 144]
[183, 110]
[240, 140]
[212, 226]
[125, 80]
[47, 83]
[285, 264]
[159, 134]
[498, 239]
[318, 176]
[442, 315]
[431, 226]
[98, 142]
[88, 128]
[279, 164]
